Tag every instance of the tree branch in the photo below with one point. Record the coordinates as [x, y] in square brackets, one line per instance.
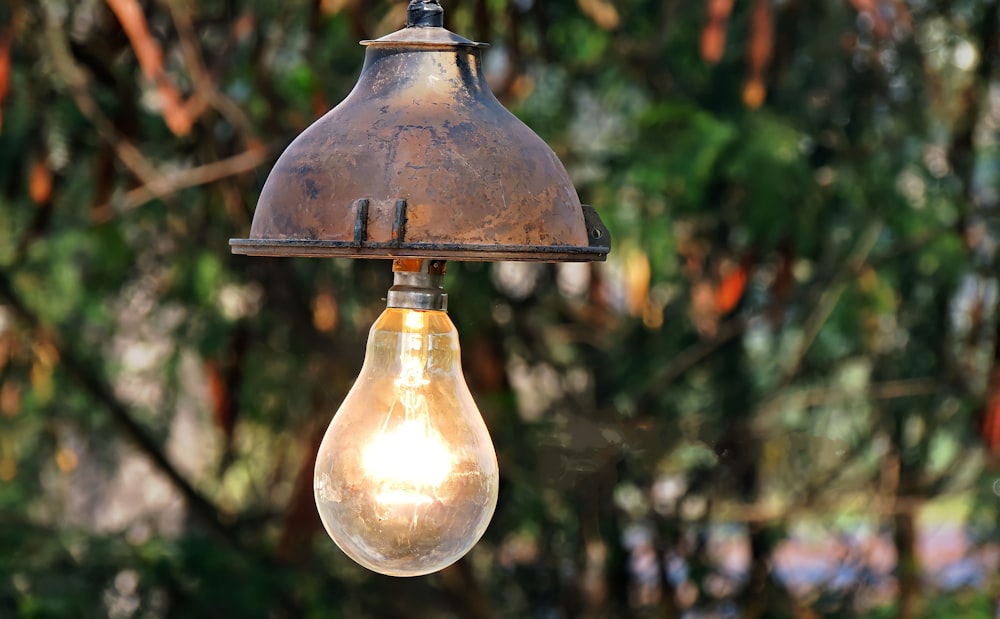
[97, 387]
[169, 184]
[737, 326]
[78, 83]
[204, 82]
[830, 297]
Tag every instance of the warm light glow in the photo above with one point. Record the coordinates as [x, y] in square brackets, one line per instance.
[409, 460]
[411, 457]
[406, 478]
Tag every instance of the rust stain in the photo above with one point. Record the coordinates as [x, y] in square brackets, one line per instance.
[421, 126]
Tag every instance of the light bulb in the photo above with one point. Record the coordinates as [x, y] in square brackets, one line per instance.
[406, 477]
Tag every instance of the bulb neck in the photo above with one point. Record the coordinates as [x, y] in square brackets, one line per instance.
[418, 289]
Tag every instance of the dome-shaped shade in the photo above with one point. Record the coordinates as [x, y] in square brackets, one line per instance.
[421, 160]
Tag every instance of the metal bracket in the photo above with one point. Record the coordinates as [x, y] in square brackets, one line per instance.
[399, 224]
[361, 223]
[597, 232]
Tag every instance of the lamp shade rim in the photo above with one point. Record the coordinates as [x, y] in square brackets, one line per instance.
[307, 248]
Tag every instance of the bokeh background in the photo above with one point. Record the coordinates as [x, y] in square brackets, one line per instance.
[780, 397]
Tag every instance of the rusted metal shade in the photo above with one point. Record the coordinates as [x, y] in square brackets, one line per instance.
[421, 160]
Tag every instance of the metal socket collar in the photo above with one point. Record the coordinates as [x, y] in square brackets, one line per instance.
[417, 291]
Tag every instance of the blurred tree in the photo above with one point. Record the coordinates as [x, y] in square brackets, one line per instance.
[791, 360]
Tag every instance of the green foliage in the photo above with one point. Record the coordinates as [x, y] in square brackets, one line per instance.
[792, 349]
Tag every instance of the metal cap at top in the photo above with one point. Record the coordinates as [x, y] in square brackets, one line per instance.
[421, 160]
[423, 13]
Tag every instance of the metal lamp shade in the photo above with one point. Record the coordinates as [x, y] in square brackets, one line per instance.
[422, 161]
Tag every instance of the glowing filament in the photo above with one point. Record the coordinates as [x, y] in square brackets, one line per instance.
[407, 463]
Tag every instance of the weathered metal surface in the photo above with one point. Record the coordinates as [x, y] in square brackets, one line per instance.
[421, 160]
[425, 13]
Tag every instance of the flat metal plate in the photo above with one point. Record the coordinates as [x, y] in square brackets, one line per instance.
[460, 253]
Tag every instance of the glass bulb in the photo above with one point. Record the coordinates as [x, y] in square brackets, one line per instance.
[406, 477]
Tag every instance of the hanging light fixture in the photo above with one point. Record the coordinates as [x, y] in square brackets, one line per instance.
[419, 164]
